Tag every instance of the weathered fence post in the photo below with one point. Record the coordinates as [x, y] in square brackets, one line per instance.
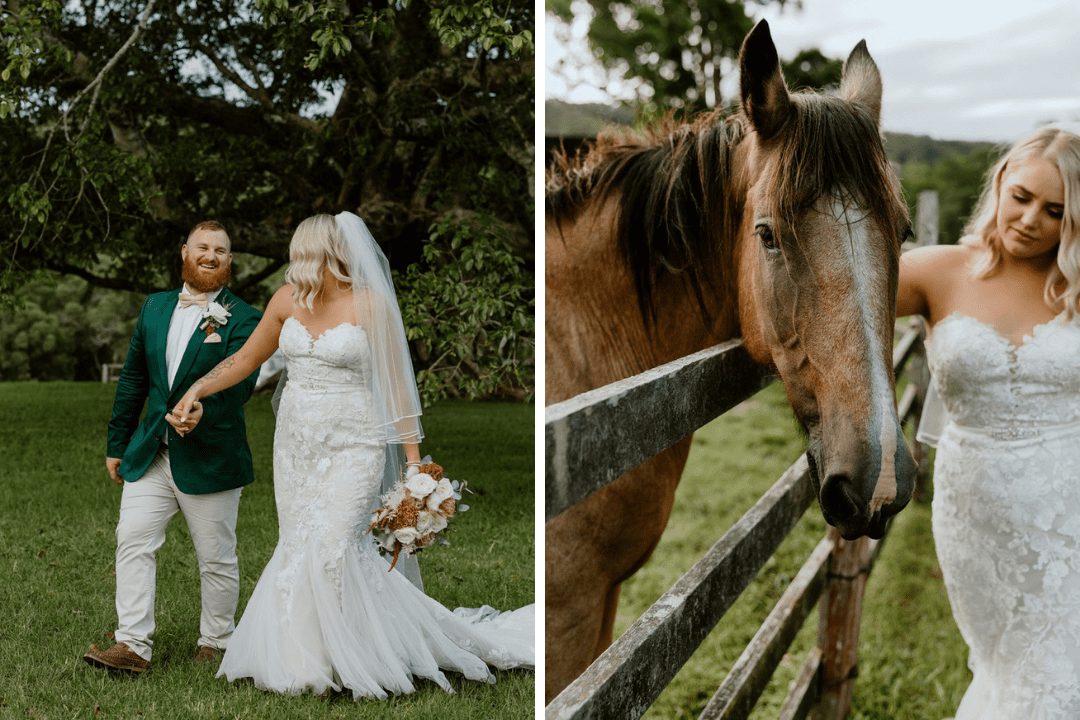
[919, 375]
[927, 223]
[926, 218]
[838, 630]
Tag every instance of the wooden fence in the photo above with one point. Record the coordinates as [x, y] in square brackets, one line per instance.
[619, 421]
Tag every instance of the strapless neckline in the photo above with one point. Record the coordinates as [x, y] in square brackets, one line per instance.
[312, 339]
[1013, 348]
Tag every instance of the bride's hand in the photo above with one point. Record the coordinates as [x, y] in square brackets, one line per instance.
[188, 407]
[183, 424]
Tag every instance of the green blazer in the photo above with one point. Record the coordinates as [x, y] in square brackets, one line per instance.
[214, 456]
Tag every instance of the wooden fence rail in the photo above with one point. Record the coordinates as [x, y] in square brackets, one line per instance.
[593, 438]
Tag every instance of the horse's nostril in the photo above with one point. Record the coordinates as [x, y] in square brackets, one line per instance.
[836, 497]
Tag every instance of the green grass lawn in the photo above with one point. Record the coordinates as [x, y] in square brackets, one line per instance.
[912, 661]
[58, 512]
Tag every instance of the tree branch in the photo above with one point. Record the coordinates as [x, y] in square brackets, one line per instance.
[144, 18]
[258, 95]
[127, 283]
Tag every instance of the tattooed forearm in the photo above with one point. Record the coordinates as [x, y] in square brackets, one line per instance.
[220, 369]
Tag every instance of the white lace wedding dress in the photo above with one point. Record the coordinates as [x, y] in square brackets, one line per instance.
[325, 613]
[1006, 513]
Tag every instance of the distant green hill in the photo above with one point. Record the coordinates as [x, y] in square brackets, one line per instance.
[903, 148]
[568, 120]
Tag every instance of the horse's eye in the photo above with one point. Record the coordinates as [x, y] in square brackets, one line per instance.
[768, 240]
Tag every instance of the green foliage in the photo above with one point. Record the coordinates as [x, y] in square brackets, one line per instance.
[674, 53]
[812, 69]
[22, 46]
[57, 546]
[468, 309]
[481, 23]
[957, 171]
[61, 328]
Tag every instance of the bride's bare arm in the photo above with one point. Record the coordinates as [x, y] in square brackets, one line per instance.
[931, 280]
[258, 348]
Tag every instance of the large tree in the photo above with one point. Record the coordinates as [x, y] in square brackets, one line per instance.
[127, 121]
[124, 122]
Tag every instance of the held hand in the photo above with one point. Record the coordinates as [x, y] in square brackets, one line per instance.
[112, 466]
[186, 405]
[185, 422]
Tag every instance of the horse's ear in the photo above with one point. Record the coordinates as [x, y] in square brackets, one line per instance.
[764, 94]
[861, 82]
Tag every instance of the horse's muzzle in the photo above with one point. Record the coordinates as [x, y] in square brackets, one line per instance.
[845, 497]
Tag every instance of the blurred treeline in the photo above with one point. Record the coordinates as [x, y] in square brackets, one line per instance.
[65, 329]
[954, 168]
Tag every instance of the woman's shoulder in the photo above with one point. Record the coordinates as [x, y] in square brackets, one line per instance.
[281, 304]
[939, 262]
[942, 253]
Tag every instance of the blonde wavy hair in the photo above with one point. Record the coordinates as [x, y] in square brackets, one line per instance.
[315, 245]
[1062, 148]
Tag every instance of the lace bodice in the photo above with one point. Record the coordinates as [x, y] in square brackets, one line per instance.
[339, 356]
[987, 382]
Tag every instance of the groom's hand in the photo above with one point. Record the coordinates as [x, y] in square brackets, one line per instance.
[183, 427]
[112, 465]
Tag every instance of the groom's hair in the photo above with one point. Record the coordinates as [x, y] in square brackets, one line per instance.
[212, 226]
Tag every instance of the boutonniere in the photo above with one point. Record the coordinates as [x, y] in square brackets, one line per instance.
[215, 315]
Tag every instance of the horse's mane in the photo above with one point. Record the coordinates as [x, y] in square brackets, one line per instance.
[672, 206]
[675, 206]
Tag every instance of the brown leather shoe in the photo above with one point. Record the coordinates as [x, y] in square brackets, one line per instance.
[118, 657]
[207, 655]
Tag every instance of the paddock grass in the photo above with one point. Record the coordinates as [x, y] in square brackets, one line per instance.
[58, 512]
[912, 661]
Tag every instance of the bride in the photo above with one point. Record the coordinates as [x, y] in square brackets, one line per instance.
[1004, 307]
[326, 614]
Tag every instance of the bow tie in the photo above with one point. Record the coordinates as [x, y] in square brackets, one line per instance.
[187, 299]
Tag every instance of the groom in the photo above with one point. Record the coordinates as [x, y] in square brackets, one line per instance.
[180, 336]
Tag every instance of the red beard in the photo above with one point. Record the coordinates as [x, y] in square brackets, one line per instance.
[202, 280]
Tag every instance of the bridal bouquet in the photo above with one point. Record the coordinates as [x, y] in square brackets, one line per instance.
[416, 510]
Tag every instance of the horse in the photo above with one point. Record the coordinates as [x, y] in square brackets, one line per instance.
[781, 222]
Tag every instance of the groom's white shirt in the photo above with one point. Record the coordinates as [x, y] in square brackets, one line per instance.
[182, 326]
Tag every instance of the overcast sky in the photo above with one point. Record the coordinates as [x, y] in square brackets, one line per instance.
[963, 70]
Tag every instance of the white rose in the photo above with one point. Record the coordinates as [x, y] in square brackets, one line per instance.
[217, 313]
[439, 523]
[420, 485]
[425, 523]
[442, 491]
[406, 536]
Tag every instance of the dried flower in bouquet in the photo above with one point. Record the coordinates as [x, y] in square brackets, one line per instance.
[415, 510]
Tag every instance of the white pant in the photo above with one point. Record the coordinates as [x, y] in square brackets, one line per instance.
[146, 507]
